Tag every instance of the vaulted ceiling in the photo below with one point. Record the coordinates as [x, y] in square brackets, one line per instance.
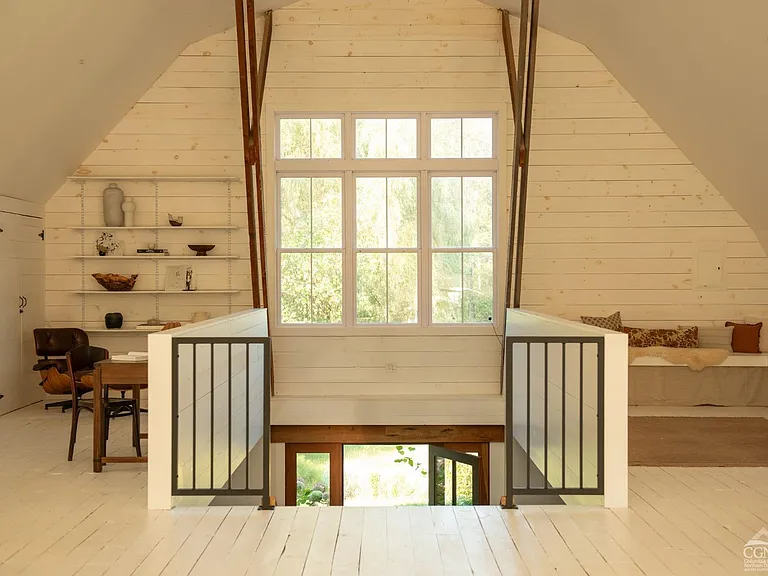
[71, 71]
[699, 68]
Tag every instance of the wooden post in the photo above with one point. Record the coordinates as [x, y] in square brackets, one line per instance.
[521, 83]
[516, 92]
[257, 97]
[531, 72]
[247, 147]
[266, 45]
[509, 54]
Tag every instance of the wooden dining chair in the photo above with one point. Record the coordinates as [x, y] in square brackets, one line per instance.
[81, 363]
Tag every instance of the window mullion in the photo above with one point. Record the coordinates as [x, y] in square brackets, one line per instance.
[425, 243]
[349, 216]
[311, 241]
[386, 239]
[461, 223]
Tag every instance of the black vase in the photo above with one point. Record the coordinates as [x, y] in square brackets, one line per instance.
[113, 320]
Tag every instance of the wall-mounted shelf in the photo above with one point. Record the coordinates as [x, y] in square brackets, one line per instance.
[154, 257]
[146, 228]
[153, 225]
[86, 178]
[154, 292]
[120, 331]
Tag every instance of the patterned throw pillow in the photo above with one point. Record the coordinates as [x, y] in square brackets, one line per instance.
[670, 338]
[612, 322]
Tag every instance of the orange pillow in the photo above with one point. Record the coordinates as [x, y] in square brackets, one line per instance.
[746, 337]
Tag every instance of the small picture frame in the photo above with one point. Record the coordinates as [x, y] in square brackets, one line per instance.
[179, 279]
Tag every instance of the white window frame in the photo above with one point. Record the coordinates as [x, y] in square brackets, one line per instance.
[418, 249]
[330, 116]
[421, 153]
[492, 249]
[280, 250]
[425, 167]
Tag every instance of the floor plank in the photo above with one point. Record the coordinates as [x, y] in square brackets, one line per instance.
[503, 547]
[272, 546]
[452, 551]
[346, 561]
[427, 560]
[300, 537]
[481, 559]
[323, 546]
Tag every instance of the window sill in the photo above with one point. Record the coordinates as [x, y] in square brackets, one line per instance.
[379, 331]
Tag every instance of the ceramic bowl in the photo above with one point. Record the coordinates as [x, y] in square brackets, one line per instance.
[201, 249]
[116, 282]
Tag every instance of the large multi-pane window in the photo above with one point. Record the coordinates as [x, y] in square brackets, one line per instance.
[386, 219]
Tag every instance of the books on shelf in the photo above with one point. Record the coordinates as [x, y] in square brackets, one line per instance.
[149, 327]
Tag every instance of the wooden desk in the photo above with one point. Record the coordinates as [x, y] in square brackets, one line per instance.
[115, 375]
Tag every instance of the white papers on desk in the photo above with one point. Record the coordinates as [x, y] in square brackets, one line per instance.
[131, 357]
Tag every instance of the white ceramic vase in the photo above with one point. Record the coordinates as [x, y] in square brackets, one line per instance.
[113, 206]
[129, 207]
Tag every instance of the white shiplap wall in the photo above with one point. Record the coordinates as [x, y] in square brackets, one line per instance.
[617, 214]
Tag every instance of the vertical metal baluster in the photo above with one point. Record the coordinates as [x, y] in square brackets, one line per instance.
[601, 415]
[175, 416]
[211, 446]
[454, 497]
[194, 415]
[581, 415]
[229, 415]
[546, 414]
[509, 435]
[562, 446]
[247, 414]
[266, 434]
[528, 419]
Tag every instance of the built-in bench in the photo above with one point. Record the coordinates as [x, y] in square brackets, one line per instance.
[740, 380]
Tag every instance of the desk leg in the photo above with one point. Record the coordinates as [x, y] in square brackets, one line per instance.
[98, 427]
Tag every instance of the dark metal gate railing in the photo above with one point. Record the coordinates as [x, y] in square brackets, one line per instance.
[554, 416]
[221, 416]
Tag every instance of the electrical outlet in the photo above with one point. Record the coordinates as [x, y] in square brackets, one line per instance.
[390, 368]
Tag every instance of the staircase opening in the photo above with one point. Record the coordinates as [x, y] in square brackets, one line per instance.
[335, 474]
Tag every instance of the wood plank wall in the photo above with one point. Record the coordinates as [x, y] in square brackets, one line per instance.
[618, 215]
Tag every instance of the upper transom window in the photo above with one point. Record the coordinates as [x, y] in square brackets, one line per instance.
[310, 138]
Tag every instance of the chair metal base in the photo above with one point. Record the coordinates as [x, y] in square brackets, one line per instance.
[65, 405]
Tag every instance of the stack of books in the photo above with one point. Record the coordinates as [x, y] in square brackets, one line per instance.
[163, 251]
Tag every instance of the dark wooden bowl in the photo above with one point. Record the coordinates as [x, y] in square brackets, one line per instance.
[201, 249]
[116, 282]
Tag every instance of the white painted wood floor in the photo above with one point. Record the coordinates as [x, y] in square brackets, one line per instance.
[59, 518]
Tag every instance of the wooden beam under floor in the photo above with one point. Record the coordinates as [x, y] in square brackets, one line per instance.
[385, 434]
